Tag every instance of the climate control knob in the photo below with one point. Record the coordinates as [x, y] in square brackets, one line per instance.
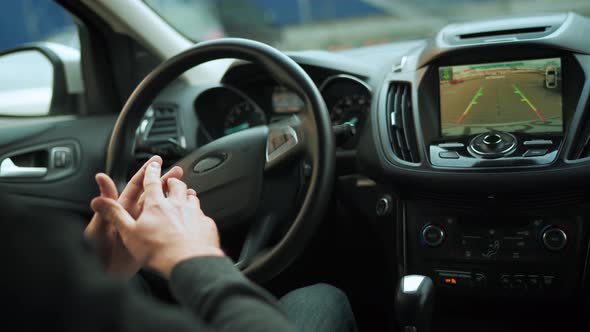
[433, 235]
[554, 238]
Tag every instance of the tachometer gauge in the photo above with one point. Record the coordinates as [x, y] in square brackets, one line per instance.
[242, 116]
[352, 109]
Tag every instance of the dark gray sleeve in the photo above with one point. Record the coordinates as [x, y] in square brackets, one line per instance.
[224, 298]
[53, 281]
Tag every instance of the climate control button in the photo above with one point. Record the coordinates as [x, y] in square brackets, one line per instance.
[554, 238]
[433, 235]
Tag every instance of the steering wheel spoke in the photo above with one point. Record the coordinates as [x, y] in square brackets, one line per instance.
[286, 140]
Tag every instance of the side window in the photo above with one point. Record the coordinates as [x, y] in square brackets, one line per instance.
[40, 70]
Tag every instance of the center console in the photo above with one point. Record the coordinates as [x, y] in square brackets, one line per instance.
[496, 255]
[489, 114]
[486, 145]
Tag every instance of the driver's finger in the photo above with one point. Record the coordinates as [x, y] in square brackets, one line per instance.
[106, 186]
[114, 212]
[175, 172]
[134, 188]
[152, 185]
[176, 190]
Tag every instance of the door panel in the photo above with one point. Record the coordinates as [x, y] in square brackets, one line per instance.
[73, 190]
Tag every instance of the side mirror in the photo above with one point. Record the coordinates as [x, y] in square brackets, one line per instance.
[39, 79]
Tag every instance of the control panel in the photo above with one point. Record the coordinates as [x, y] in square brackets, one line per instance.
[519, 282]
[497, 255]
[533, 239]
[495, 149]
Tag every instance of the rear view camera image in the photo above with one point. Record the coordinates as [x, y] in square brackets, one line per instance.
[517, 96]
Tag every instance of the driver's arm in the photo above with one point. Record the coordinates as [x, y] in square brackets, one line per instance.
[53, 280]
[218, 296]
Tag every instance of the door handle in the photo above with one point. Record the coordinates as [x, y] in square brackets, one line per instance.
[8, 169]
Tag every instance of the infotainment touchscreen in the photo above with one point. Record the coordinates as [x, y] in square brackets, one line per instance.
[515, 96]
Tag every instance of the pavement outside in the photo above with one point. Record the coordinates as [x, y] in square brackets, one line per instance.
[514, 102]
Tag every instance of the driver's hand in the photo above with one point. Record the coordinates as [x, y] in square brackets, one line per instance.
[168, 230]
[117, 258]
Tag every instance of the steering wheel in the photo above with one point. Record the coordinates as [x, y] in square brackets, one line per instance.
[231, 174]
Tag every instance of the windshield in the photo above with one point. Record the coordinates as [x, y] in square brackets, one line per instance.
[338, 24]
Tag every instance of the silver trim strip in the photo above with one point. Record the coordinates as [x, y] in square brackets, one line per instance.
[345, 76]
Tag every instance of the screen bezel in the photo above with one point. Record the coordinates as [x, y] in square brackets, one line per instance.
[562, 91]
[427, 85]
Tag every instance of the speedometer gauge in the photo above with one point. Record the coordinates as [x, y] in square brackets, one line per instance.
[242, 116]
[352, 109]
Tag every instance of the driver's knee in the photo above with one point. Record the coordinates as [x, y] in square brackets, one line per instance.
[320, 307]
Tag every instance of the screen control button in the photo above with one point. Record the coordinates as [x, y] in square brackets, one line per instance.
[451, 145]
[492, 139]
[535, 153]
[538, 142]
[493, 144]
[448, 155]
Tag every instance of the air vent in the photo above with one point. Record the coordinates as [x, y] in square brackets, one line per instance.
[505, 29]
[581, 145]
[401, 122]
[499, 33]
[164, 123]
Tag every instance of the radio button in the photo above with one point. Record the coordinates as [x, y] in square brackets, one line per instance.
[533, 282]
[505, 281]
[479, 280]
[554, 238]
[433, 235]
[548, 282]
[518, 282]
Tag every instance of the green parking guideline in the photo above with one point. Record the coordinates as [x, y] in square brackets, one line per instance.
[526, 100]
[478, 94]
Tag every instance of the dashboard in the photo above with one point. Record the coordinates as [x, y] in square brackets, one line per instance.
[472, 148]
[245, 99]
